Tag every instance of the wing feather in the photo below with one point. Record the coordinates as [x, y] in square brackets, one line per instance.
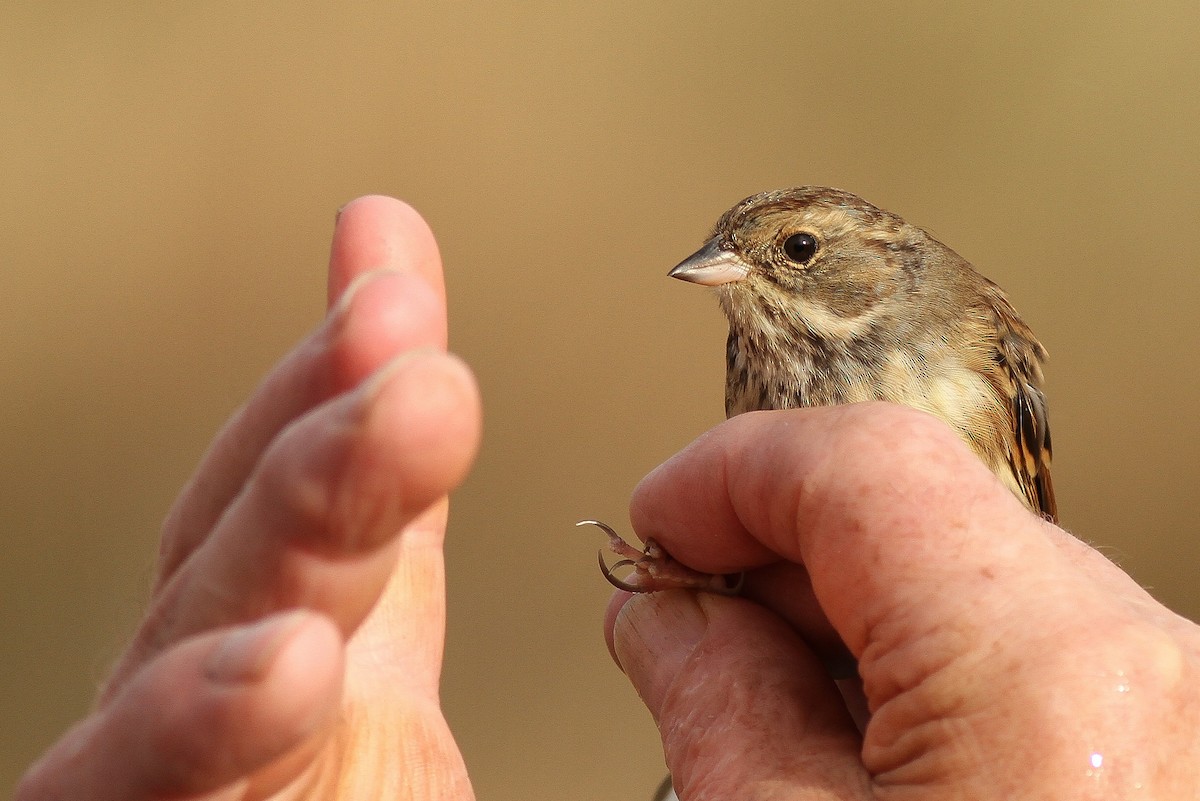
[1020, 357]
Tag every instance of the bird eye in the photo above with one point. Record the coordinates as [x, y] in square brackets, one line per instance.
[800, 247]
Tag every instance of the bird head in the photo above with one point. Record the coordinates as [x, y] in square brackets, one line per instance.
[820, 262]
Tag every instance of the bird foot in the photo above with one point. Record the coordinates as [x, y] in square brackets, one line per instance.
[654, 569]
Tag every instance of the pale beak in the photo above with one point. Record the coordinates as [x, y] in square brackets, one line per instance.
[711, 265]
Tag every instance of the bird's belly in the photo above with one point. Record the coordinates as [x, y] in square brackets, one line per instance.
[960, 396]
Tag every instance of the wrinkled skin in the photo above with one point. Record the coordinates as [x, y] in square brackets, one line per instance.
[1000, 657]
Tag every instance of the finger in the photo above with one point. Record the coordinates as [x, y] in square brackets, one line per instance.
[889, 512]
[382, 233]
[216, 710]
[744, 707]
[786, 589]
[317, 524]
[385, 313]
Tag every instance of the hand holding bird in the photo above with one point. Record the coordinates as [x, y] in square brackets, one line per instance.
[831, 300]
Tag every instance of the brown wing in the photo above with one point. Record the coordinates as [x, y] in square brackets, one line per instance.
[1021, 359]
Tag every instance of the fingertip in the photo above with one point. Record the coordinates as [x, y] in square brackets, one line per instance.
[380, 232]
[269, 689]
[375, 200]
[308, 665]
[425, 407]
[381, 314]
[654, 636]
[348, 476]
[205, 714]
[253, 652]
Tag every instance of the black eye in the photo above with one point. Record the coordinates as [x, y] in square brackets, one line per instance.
[800, 248]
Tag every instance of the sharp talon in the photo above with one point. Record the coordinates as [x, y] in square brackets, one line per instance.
[606, 571]
[654, 569]
[633, 557]
[615, 544]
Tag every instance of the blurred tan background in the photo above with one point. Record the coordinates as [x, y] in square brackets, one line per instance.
[170, 175]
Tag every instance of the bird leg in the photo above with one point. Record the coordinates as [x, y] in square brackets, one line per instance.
[654, 569]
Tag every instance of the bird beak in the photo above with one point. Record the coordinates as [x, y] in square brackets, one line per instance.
[711, 265]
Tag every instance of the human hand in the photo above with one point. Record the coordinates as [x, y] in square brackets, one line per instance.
[1000, 657]
[293, 640]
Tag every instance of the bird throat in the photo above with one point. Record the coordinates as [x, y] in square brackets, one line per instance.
[777, 359]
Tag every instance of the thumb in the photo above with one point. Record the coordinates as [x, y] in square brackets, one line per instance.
[744, 707]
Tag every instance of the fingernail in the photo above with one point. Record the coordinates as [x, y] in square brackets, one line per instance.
[384, 374]
[654, 635]
[357, 284]
[246, 653]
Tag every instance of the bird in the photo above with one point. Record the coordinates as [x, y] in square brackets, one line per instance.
[832, 300]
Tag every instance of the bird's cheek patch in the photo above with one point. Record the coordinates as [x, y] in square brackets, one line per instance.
[829, 323]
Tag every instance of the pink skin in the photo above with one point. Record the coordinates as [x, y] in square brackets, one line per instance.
[1000, 657]
[325, 495]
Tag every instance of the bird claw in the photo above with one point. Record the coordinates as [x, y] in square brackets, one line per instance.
[654, 569]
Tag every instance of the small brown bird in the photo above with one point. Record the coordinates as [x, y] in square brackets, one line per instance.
[831, 300]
